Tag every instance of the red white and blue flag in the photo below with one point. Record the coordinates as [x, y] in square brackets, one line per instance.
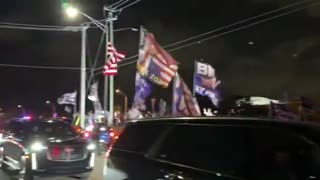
[155, 63]
[184, 104]
[111, 67]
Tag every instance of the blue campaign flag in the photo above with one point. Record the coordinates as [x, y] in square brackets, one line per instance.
[142, 91]
[205, 81]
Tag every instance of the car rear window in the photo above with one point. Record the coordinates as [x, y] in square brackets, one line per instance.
[138, 137]
[234, 150]
[53, 129]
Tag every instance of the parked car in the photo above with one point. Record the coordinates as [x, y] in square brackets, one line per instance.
[215, 149]
[42, 148]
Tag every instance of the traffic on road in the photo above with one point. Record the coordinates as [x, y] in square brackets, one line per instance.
[211, 90]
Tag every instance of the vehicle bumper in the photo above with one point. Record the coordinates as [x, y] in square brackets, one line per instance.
[41, 166]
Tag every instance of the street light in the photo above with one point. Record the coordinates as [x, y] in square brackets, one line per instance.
[48, 102]
[118, 91]
[128, 28]
[72, 12]
[22, 109]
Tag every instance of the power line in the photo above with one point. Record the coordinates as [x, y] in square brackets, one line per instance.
[221, 28]
[221, 34]
[237, 23]
[30, 25]
[41, 67]
[243, 27]
[67, 28]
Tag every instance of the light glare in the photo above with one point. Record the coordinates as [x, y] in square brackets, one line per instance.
[37, 147]
[91, 147]
[72, 12]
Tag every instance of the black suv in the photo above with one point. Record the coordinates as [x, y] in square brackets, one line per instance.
[215, 149]
[41, 148]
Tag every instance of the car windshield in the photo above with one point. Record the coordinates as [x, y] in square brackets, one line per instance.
[53, 129]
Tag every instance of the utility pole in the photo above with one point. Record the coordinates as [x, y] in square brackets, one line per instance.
[111, 86]
[83, 76]
[114, 8]
[105, 95]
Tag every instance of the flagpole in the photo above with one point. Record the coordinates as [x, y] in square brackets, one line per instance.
[173, 108]
[74, 110]
[142, 31]
[194, 75]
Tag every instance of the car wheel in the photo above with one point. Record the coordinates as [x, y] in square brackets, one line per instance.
[2, 164]
[25, 170]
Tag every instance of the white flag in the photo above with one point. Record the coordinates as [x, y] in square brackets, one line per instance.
[68, 98]
[94, 97]
[67, 109]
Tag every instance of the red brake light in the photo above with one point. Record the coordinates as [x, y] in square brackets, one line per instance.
[55, 152]
[111, 134]
[86, 134]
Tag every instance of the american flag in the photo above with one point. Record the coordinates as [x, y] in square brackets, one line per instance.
[111, 67]
[184, 104]
[155, 63]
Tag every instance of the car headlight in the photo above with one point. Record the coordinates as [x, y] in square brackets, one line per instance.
[89, 128]
[91, 147]
[103, 129]
[37, 146]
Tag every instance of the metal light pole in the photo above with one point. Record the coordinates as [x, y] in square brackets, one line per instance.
[105, 92]
[83, 76]
[111, 78]
[72, 12]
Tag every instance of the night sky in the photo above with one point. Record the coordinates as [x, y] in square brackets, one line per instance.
[271, 59]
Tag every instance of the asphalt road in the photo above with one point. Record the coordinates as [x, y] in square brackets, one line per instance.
[95, 175]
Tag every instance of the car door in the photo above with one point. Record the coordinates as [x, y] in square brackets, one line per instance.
[127, 159]
[13, 145]
[205, 152]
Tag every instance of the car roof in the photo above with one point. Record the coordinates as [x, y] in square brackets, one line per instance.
[224, 121]
[36, 121]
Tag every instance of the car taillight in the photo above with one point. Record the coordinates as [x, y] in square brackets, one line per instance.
[111, 134]
[56, 152]
[86, 134]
